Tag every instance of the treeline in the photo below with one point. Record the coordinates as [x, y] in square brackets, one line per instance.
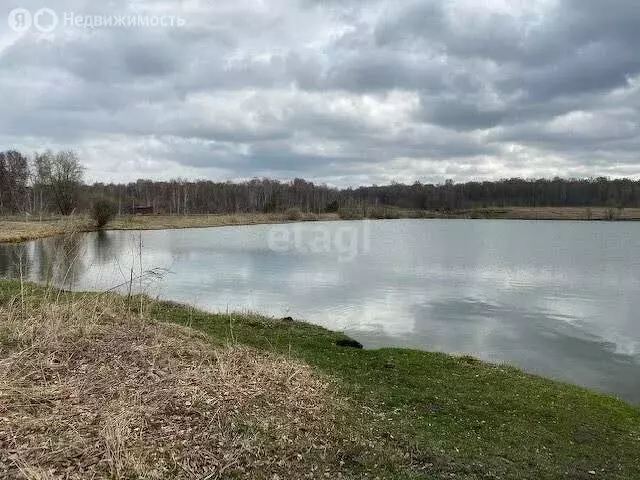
[513, 192]
[53, 183]
[195, 197]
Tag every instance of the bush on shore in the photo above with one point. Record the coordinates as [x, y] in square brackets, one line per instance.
[102, 212]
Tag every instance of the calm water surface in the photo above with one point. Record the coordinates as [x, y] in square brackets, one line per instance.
[556, 298]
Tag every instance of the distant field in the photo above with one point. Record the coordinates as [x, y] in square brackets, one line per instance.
[561, 213]
[158, 222]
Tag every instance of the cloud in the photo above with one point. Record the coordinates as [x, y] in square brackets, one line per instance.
[342, 91]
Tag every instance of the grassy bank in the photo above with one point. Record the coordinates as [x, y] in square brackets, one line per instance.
[19, 229]
[296, 405]
[13, 230]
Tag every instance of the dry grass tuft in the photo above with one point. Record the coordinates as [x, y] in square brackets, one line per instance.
[91, 390]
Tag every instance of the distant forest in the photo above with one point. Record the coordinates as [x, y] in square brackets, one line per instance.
[53, 183]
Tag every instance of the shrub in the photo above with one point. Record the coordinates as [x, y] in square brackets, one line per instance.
[333, 207]
[294, 214]
[103, 212]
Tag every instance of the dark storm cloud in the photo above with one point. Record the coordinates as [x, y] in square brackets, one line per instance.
[342, 90]
[576, 47]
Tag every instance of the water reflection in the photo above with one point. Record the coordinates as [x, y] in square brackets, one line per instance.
[13, 260]
[104, 248]
[555, 298]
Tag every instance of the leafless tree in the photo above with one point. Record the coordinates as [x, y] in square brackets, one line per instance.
[60, 176]
[14, 182]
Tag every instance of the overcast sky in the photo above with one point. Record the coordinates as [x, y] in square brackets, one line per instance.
[343, 91]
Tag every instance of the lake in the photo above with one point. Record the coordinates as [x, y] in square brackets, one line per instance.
[561, 299]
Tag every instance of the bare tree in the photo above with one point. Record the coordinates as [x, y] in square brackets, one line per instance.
[41, 174]
[60, 175]
[14, 182]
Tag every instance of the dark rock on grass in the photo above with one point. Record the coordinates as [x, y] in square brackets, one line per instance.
[469, 360]
[349, 343]
[287, 319]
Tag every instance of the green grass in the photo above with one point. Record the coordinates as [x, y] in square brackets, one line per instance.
[447, 417]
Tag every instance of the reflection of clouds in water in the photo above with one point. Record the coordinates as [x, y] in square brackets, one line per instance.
[384, 311]
[572, 310]
[517, 295]
[464, 326]
[602, 315]
[627, 347]
[310, 280]
[529, 277]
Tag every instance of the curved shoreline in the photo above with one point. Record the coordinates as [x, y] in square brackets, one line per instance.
[16, 230]
[465, 416]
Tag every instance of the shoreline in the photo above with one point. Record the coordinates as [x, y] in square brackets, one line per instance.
[15, 230]
[458, 412]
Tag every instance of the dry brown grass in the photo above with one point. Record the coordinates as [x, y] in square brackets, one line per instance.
[12, 231]
[90, 390]
[15, 230]
[570, 213]
[157, 222]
